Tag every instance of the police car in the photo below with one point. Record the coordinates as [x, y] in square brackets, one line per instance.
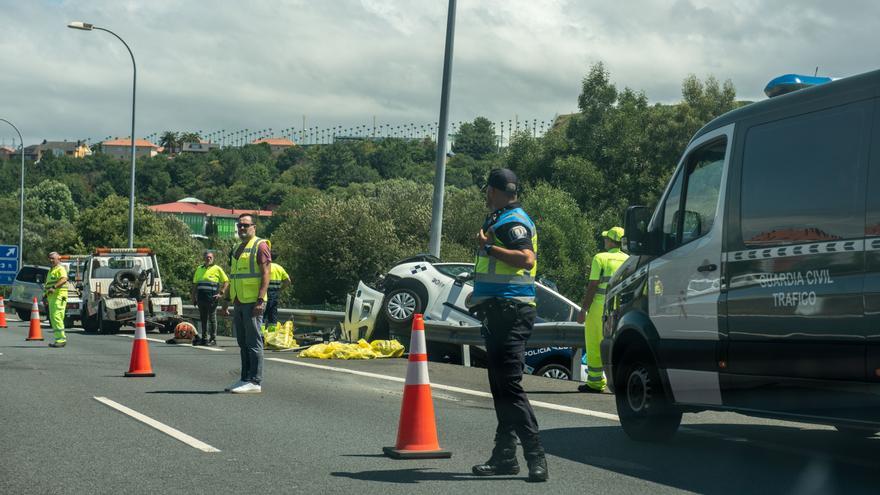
[754, 285]
[424, 284]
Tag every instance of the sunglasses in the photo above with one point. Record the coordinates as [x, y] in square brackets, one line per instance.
[245, 225]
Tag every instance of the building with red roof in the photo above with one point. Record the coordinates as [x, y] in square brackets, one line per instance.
[204, 219]
[277, 145]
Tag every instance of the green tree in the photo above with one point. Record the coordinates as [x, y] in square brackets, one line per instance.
[476, 139]
[566, 239]
[331, 243]
[106, 225]
[170, 141]
[189, 137]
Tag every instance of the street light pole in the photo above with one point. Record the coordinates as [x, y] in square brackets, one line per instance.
[440, 166]
[21, 201]
[84, 26]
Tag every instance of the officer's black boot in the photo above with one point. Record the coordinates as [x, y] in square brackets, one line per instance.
[536, 460]
[503, 460]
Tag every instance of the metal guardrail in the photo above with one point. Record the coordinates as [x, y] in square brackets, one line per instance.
[300, 317]
[561, 334]
[550, 334]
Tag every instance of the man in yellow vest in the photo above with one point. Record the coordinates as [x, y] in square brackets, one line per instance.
[209, 286]
[56, 293]
[278, 280]
[249, 283]
[604, 266]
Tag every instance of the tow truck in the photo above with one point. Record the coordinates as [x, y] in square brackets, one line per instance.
[115, 280]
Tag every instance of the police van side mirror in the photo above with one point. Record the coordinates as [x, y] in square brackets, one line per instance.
[638, 240]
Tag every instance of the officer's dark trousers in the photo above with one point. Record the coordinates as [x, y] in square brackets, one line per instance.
[208, 316]
[506, 334]
[270, 316]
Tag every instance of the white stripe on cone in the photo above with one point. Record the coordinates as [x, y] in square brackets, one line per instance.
[417, 343]
[35, 310]
[140, 328]
[417, 373]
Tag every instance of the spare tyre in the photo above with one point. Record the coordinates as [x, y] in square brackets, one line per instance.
[126, 276]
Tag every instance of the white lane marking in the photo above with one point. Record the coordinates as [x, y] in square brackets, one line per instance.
[172, 432]
[449, 388]
[204, 348]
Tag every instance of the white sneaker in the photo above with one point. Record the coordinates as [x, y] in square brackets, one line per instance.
[247, 388]
[235, 385]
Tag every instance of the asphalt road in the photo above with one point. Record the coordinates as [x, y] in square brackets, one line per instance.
[319, 427]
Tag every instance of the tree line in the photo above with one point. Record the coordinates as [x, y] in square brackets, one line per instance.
[346, 211]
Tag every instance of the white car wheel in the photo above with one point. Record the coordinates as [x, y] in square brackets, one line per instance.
[401, 304]
[554, 370]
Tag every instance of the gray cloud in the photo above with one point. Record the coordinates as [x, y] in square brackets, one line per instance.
[229, 65]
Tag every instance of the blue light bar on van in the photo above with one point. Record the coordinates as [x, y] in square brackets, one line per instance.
[792, 82]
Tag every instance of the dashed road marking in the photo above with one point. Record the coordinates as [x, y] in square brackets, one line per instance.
[172, 432]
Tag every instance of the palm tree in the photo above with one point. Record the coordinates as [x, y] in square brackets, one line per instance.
[189, 137]
[169, 140]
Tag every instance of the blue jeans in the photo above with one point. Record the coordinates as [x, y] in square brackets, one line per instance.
[250, 341]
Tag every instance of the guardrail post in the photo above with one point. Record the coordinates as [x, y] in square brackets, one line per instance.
[466, 355]
[576, 355]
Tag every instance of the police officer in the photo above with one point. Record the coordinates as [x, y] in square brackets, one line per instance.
[209, 286]
[278, 280]
[504, 298]
[55, 290]
[603, 267]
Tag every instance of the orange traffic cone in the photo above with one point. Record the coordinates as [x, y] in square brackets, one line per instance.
[417, 431]
[2, 313]
[35, 333]
[140, 353]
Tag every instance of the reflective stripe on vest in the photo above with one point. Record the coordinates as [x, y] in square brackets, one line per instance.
[207, 285]
[494, 278]
[245, 277]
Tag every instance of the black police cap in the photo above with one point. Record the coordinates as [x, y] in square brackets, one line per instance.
[503, 179]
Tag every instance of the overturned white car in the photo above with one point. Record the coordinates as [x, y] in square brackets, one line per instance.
[424, 284]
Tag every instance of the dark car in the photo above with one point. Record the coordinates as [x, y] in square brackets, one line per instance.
[27, 285]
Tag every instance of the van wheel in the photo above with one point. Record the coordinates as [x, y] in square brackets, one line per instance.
[554, 370]
[23, 315]
[68, 322]
[401, 304]
[856, 432]
[645, 412]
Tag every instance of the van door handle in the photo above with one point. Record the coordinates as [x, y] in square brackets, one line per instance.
[711, 267]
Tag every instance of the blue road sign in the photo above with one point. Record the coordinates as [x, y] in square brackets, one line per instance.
[8, 264]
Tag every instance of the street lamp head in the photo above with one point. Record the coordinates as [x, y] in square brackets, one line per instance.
[84, 26]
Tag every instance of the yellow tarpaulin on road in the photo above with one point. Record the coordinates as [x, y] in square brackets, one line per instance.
[362, 350]
[280, 336]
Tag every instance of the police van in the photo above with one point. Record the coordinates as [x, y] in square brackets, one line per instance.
[754, 285]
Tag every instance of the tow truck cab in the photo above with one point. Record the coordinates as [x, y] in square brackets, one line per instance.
[754, 285]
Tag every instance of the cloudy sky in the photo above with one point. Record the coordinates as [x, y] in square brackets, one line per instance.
[228, 64]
